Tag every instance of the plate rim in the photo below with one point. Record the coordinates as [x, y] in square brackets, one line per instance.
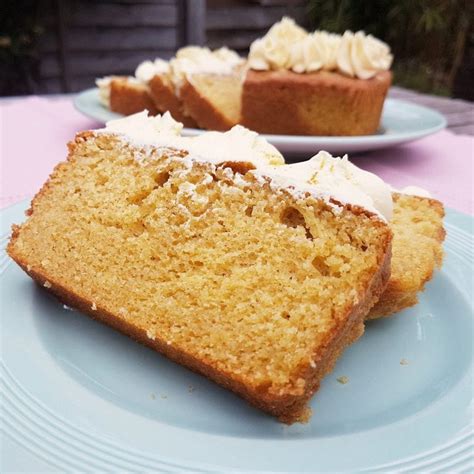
[451, 447]
[380, 140]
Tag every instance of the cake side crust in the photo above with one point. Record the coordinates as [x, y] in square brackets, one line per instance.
[163, 93]
[417, 252]
[127, 98]
[321, 103]
[203, 112]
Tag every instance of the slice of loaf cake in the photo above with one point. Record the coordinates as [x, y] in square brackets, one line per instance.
[157, 75]
[418, 236]
[209, 85]
[164, 95]
[206, 251]
[125, 95]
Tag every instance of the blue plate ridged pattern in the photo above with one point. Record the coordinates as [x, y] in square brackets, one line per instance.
[55, 408]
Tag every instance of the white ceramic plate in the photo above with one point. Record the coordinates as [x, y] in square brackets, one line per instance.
[402, 122]
[78, 396]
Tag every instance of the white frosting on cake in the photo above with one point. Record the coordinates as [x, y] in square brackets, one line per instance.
[414, 191]
[317, 51]
[288, 46]
[148, 69]
[338, 178]
[273, 51]
[237, 145]
[197, 60]
[188, 61]
[323, 176]
[143, 129]
[103, 84]
[362, 55]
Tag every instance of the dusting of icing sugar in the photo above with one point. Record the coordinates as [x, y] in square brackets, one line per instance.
[323, 176]
[208, 179]
[326, 177]
[414, 191]
[187, 188]
[212, 147]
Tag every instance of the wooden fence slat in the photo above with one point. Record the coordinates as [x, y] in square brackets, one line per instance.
[106, 39]
[52, 86]
[100, 64]
[48, 42]
[123, 62]
[123, 15]
[251, 17]
[140, 2]
[236, 39]
[195, 21]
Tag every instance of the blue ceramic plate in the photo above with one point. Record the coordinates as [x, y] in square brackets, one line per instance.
[402, 122]
[77, 396]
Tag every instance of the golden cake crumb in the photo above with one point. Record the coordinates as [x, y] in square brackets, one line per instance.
[403, 362]
[246, 286]
[417, 250]
[343, 380]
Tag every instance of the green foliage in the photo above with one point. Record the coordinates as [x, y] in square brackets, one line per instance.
[19, 58]
[427, 37]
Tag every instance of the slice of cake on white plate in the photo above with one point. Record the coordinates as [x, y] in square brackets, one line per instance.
[417, 249]
[213, 253]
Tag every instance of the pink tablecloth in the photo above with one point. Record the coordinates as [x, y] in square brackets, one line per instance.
[35, 131]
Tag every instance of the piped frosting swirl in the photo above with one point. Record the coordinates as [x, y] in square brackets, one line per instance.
[288, 46]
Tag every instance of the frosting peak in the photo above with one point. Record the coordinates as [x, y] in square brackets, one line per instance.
[336, 177]
[195, 60]
[272, 51]
[237, 145]
[143, 129]
[288, 46]
[148, 69]
[362, 55]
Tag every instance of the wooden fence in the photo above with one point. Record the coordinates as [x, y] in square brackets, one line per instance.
[85, 39]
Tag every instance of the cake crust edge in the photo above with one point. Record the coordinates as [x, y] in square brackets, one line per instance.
[289, 406]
